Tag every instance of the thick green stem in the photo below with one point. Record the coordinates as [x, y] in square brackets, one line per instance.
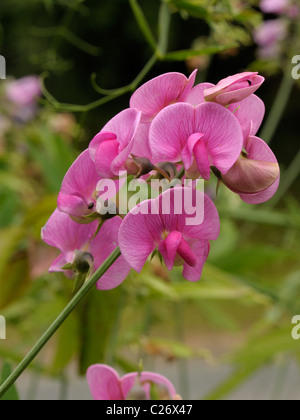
[59, 321]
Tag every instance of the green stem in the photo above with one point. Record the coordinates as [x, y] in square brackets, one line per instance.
[278, 108]
[59, 321]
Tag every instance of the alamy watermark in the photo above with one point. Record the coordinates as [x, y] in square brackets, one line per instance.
[296, 329]
[184, 201]
[2, 328]
[296, 69]
[2, 68]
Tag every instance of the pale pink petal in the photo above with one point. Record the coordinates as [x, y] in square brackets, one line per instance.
[222, 134]
[250, 112]
[145, 379]
[196, 95]
[101, 248]
[160, 92]
[104, 383]
[61, 232]
[170, 131]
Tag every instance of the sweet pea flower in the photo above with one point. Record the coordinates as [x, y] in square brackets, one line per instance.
[24, 91]
[111, 148]
[270, 33]
[234, 88]
[256, 174]
[146, 229]
[78, 195]
[274, 6]
[105, 384]
[202, 136]
[76, 241]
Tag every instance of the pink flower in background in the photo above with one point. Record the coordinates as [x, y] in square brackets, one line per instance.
[146, 229]
[256, 174]
[274, 6]
[77, 196]
[72, 238]
[201, 137]
[270, 32]
[105, 384]
[111, 148]
[24, 91]
[234, 88]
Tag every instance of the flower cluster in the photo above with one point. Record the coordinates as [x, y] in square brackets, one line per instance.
[170, 127]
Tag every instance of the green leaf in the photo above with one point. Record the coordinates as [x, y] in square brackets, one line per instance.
[12, 393]
[192, 7]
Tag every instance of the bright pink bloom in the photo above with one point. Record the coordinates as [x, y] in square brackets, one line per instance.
[78, 196]
[24, 91]
[255, 176]
[274, 6]
[201, 137]
[105, 383]
[178, 242]
[69, 237]
[151, 98]
[234, 88]
[111, 148]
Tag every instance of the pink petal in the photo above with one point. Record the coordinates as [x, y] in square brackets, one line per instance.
[170, 131]
[101, 247]
[262, 196]
[61, 232]
[222, 134]
[97, 140]
[188, 150]
[250, 112]
[202, 159]
[124, 126]
[145, 379]
[141, 146]
[201, 250]
[78, 187]
[160, 92]
[107, 152]
[234, 88]
[104, 383]
[196, 95]
[169, 247]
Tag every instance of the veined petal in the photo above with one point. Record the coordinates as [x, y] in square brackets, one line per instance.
[223, 135]
[160, 92]
[196, 95]
[170, 130]
[145, 379]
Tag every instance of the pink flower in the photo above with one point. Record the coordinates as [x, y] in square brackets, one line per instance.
[201, 137]
[151, 98]
[111, 148]
[73, 240]
[270, 33]
[78, 196]
[146, 229]
[256, 174]
[24, 91]
[105, 384]
[234, 88]
[274, 6]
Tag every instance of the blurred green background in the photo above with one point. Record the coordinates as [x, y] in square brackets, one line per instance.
[239, 315]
